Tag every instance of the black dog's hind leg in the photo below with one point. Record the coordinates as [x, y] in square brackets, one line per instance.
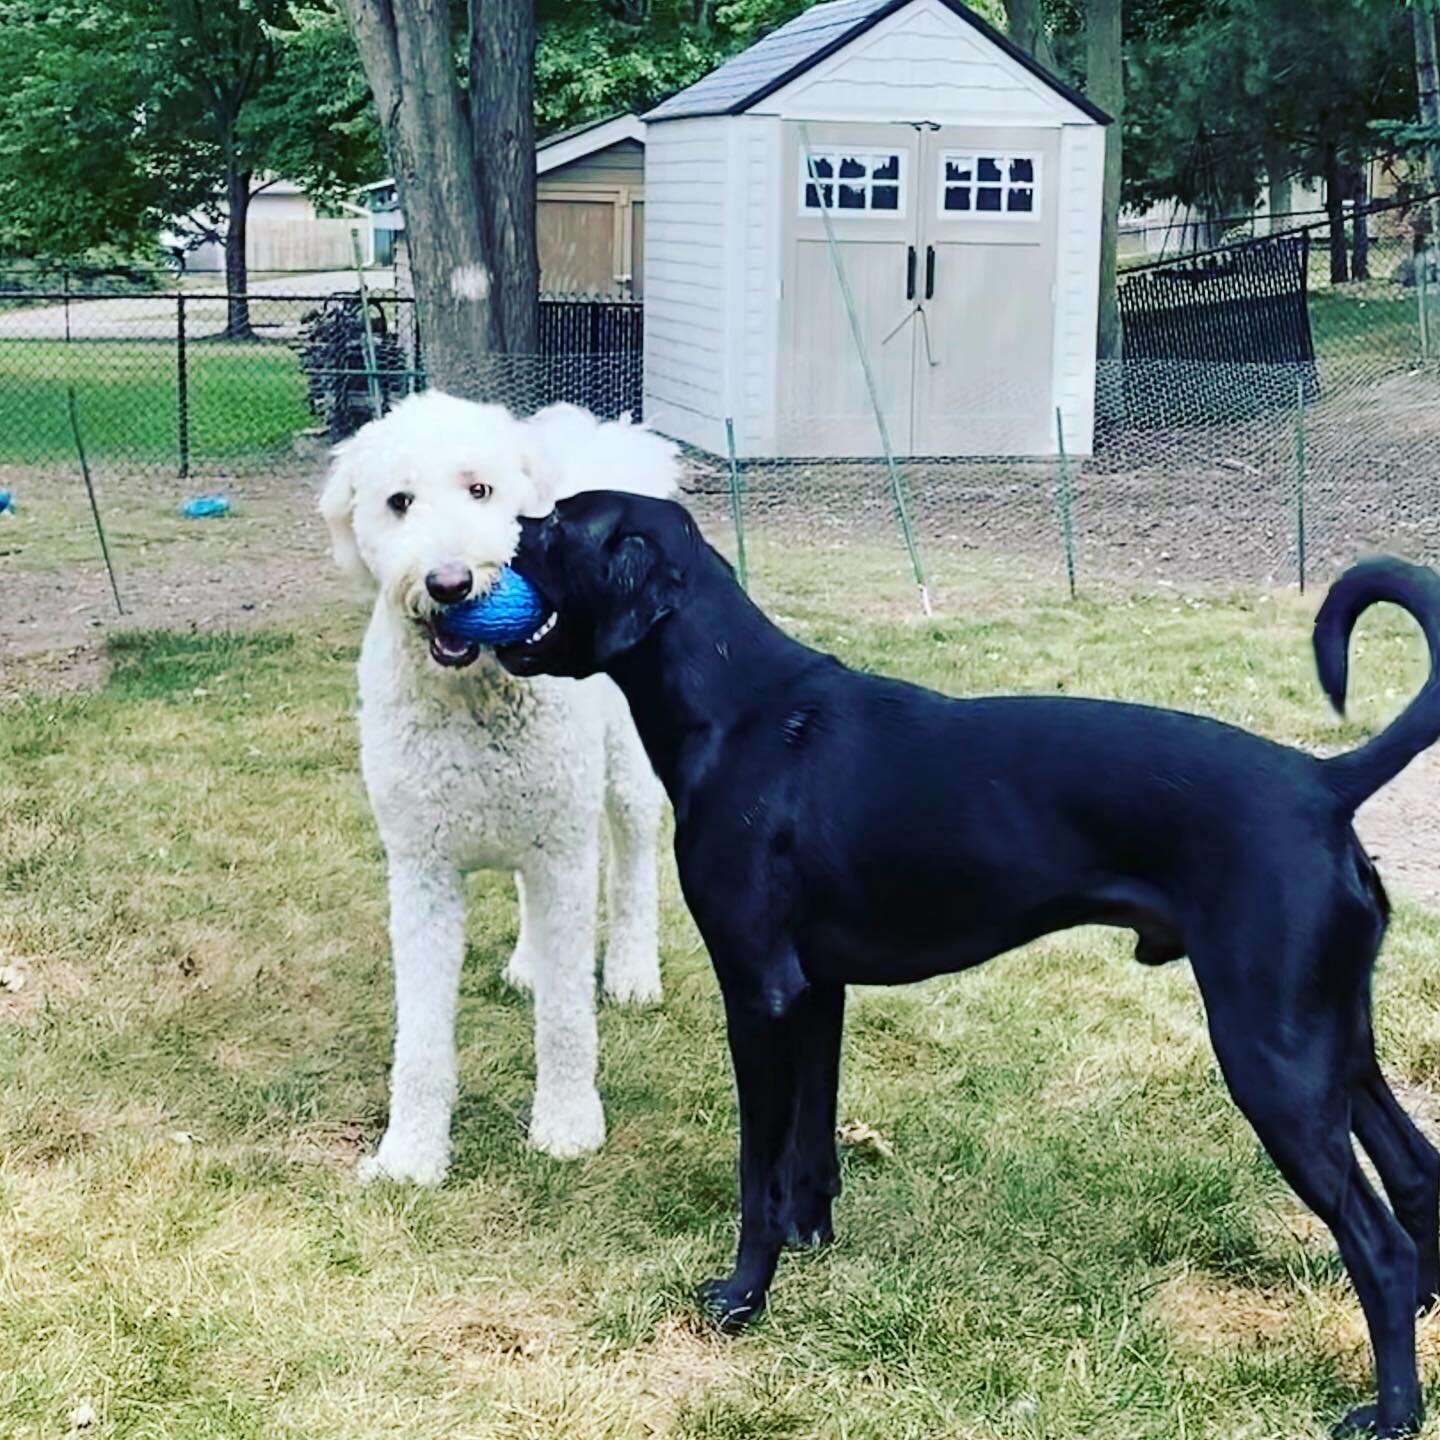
[811, 1165]
[770, 1020]
[1408, 1165]
[1287, 1060]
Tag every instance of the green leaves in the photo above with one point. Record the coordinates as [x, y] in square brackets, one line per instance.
[117, 116]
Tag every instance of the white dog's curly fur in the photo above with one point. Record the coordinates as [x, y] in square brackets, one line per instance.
[468, 767]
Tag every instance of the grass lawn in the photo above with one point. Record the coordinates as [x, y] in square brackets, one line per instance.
[1377, 322]
[1074, 1234]
[245, 400]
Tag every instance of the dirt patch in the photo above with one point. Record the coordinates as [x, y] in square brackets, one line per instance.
[336, 1145]
[1400, 827]
[1204, 1313]
[267, 561]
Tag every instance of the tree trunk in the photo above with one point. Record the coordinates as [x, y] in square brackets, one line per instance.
[1360, 227]
[1025, 20]
[1105, 85]
[1335, 208]
[237, 306]
[407, 51]
[1427, 84]
[502, 123]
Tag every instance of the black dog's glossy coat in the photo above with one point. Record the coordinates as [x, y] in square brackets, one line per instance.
[834, 827]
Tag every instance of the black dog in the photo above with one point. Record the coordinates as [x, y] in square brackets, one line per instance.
[834, 827]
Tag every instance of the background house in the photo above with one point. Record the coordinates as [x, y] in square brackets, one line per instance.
[285, 230]
[962, 185]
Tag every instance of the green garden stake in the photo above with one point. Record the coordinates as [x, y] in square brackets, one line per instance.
[1063, 501]
[737, 514]
[1300, 477]
[1422, 290]
[90, 491]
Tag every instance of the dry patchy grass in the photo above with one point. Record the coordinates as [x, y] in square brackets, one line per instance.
[1068, 1232]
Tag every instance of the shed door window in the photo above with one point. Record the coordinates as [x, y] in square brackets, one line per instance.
[863, 182]
[985, 185]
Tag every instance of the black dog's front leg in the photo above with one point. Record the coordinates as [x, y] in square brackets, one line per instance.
[771, 1040]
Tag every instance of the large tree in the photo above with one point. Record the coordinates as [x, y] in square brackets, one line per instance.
[1253, 89]
[455, 98]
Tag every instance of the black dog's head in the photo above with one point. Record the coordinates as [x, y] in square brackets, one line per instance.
[610, 567]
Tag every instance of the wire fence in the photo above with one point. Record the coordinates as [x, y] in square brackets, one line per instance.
[1221, 465]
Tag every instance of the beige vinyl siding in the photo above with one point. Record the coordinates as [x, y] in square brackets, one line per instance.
[685, 272]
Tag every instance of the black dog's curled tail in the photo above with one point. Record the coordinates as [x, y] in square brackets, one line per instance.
[1358, 774]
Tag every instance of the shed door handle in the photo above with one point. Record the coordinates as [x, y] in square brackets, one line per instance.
[929, 271]
[910, 272]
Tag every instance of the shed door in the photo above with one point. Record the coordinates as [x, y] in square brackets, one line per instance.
[865, 176]
[947, 237]
[984, 366]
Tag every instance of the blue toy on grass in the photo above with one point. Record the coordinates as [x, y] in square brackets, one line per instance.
[510, 611]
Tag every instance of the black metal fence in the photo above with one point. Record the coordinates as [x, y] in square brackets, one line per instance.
[192, 382]
[1242, 315]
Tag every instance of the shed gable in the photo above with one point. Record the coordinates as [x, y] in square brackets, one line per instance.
[922, 63]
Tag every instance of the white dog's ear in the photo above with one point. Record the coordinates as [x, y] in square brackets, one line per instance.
[337, 508]
[540, 472]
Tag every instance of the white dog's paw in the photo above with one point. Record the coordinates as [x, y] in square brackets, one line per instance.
[405, 1163]
[568, 1129]
[630, 981]
[520, 972]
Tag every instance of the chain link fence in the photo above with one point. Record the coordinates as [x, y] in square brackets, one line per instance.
[1253, 471]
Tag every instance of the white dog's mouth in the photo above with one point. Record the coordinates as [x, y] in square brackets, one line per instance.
[449, 651]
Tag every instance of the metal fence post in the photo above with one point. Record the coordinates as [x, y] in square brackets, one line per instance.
[736, 507]
[1300, 478]
[1063, 500]
[182, 386]
[1422, 287]
[65, 277]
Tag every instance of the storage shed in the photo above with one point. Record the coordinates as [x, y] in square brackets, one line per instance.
[962, 187]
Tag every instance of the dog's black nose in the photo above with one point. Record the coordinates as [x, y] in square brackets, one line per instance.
[449, 584]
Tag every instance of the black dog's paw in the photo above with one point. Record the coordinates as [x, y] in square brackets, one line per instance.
[729, 1306]
[1364, 1420]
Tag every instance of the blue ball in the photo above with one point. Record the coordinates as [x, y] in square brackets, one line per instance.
[510, 611]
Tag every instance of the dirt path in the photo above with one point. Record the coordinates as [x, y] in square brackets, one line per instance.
[1401, 829]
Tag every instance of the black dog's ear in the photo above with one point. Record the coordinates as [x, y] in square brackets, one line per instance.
[641, 590]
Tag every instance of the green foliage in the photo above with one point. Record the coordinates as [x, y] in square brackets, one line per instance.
[75, 164]
[1211, 95]
[314, 123]
[597, 57]
[119, 115]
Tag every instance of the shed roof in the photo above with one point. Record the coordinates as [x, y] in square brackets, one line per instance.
[814, 35]
[579, 141]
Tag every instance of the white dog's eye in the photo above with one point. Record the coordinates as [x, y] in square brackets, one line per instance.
[481, 491]
[401, 501]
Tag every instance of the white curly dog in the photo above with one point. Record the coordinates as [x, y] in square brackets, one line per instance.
[468, 767]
